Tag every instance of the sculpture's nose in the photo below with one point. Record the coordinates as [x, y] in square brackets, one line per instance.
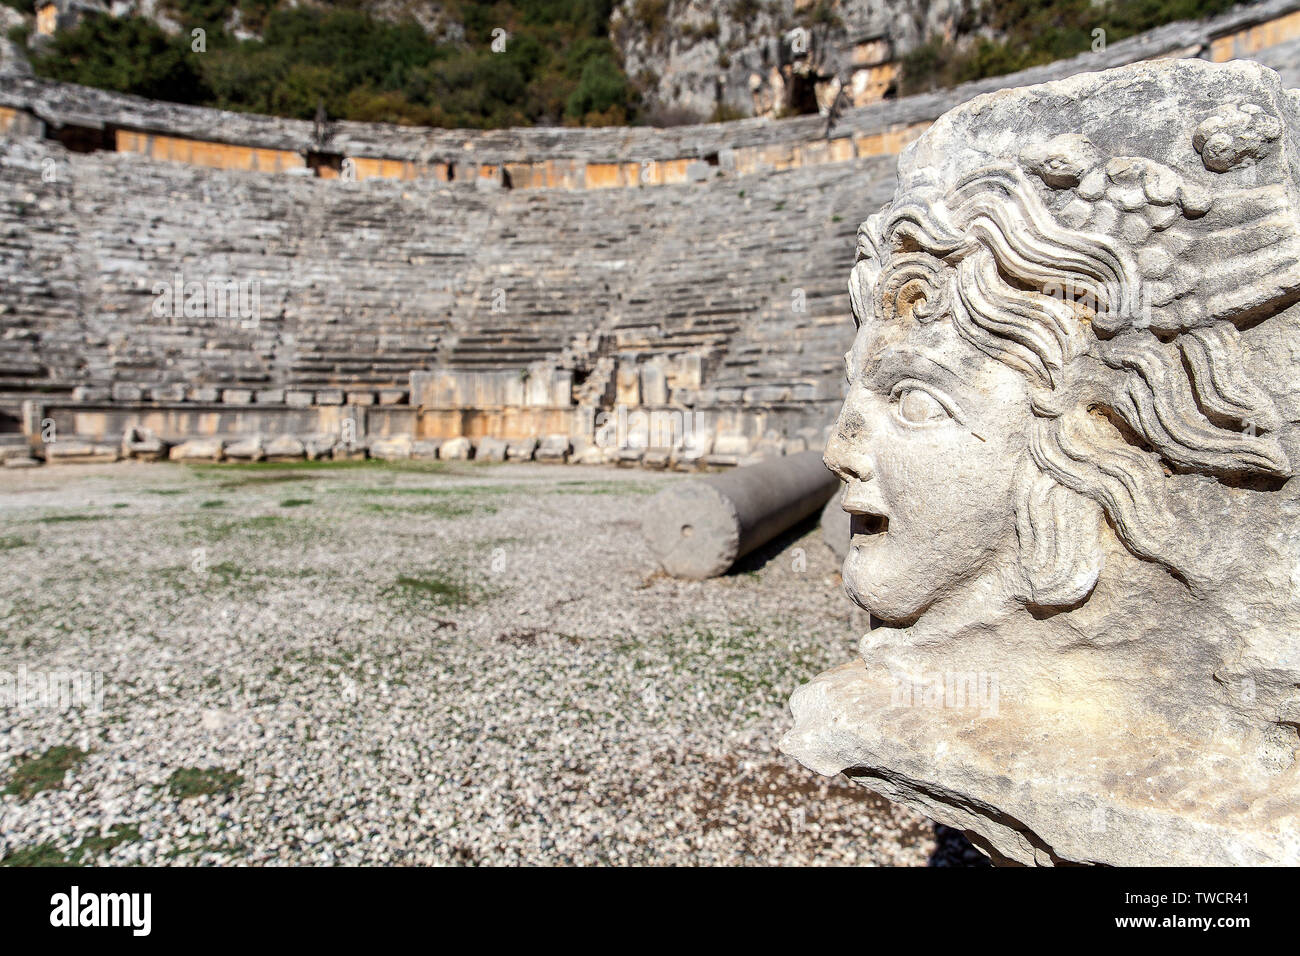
[846, 453]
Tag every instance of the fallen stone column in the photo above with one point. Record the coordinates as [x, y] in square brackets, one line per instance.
[697, 529]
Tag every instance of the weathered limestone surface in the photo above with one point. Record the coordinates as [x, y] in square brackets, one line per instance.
[1069, 444]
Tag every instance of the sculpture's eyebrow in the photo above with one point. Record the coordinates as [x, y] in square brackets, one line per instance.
[883, 367]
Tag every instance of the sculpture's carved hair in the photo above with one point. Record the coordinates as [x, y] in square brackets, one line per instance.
[1131, 378]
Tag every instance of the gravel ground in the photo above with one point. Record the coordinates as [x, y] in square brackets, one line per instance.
[366, 663]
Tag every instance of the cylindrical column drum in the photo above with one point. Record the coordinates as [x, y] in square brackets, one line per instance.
[698, 528]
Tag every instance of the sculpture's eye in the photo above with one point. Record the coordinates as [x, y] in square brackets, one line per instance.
[916, 406]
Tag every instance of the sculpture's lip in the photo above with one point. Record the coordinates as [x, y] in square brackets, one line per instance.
[867, 517]
[863, 503]
[867, 524]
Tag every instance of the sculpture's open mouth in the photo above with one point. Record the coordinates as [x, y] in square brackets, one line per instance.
[865, 524]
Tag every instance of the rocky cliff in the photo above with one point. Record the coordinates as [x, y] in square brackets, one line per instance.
[698, 59]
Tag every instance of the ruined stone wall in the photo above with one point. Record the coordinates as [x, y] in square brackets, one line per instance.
[544, 300]
[438, 283]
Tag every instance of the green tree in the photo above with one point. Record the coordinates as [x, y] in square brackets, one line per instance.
[127, 54]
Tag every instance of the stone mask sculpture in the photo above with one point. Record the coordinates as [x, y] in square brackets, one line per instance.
[1067, 441]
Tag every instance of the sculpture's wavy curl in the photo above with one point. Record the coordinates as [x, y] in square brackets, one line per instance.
[1123, 403]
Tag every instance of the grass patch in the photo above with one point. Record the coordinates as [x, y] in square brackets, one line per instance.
[213, 503]
[438, 509]
[294, 502]
[261, 481]
[92, 845]
[457, 491]
[46, 772]
[43, 854]
[186, 579]
[191, 782]
[213, 531]
[435, 588]
[59, 519]
[11, 541]
[305, 464]
[226, 571]
[606, 487]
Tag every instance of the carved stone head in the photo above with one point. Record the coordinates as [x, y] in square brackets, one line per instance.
[1071, 424]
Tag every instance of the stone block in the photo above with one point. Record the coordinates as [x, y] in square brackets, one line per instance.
[79, 452]
[628, 385]
[554, 448]
[737, 445]
[654, 385]
[270, 396]
[329, 396]
[656, 458]
[142, 444]
[197, 449]
[425, 449]
[297, 399]
[123, 392]
[490, 449]
[351, 451]
[766, 395]
[393, 396]
[91, 394]
[174, 392]
[397, 448]
[16, 450]
[285, 448]
[319, 447]
[237, 396]
[361, 398]
[698, 171]
[203, 393]
[521, 449]
[456, 449]
[246, 449]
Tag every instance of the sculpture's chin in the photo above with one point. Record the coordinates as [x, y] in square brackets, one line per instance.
[882, 586]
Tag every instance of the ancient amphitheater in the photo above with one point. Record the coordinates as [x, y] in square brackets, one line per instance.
[189, 278]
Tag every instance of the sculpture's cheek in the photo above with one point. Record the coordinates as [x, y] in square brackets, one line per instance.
[945, 493]
[941, 526]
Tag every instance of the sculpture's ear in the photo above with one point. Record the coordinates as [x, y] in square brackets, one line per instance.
[1061, 553]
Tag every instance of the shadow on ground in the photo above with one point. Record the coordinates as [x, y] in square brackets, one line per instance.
[759, 558]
